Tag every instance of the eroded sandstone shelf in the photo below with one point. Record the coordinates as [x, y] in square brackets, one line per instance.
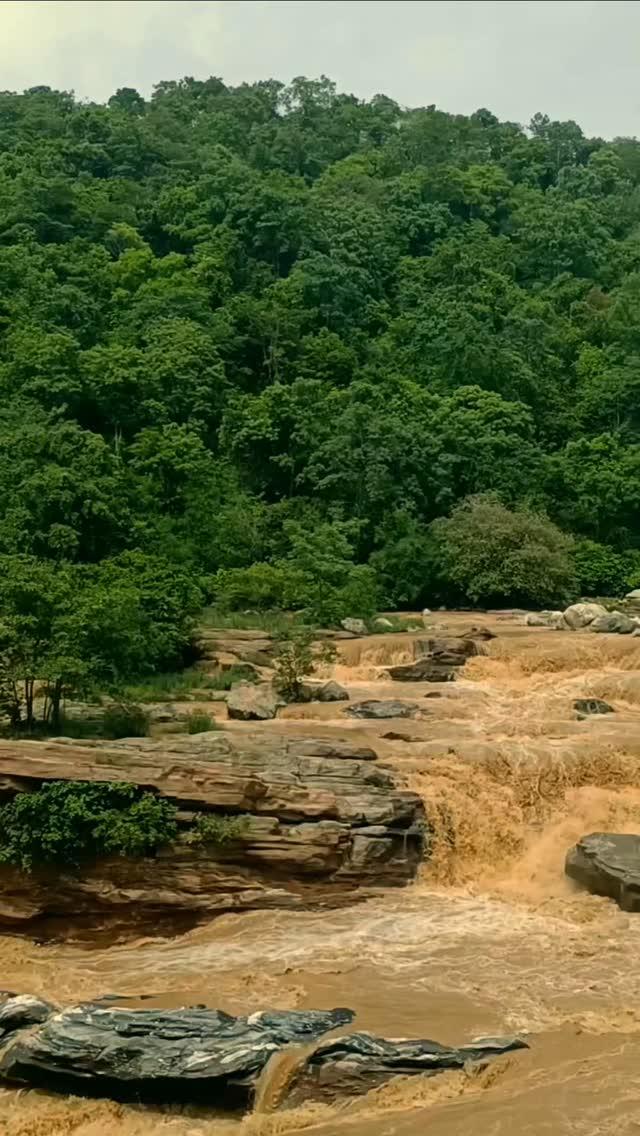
[326, 823]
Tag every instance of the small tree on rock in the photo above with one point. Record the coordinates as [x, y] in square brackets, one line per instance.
[298, 656]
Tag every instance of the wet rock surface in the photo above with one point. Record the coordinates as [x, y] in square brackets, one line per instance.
[199, 1055]
[592, 706]
[359, 1062]
[452, 651]
[424, 670]
[190, 1054]
[608, 864]
[307, 802]
[438, 660]
[20, 1011]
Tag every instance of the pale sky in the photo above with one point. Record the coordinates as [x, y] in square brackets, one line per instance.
[569, 58]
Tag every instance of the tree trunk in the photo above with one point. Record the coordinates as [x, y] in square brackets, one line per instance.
[28, 701]
[55, 695]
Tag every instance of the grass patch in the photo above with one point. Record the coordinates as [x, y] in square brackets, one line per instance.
[199, 723]
[176, 685]
[269, 621]
[165, 687]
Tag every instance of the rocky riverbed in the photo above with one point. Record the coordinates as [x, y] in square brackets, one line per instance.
[490, 938]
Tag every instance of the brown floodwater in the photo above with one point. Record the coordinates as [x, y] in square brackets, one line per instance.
[492, 938]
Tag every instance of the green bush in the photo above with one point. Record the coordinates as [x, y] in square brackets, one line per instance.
[125, 720]
[317, 577]
[632, 578]
[74, 822]
[260, 585]
[496, 555]
[212, 829]
[199, 723]
[600, 570]
[404, 562]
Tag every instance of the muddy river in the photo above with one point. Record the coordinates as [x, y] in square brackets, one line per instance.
[490, 939]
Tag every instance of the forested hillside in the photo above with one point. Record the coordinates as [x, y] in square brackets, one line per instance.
[255, 340]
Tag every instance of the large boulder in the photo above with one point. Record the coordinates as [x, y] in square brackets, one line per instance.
[580, 615]
[253, 701]
[383, 624]
[330, 692]
[190, 1054]
[634, 596]
[382, 708]
[355, 1064]
[608, 864]
[552, 619]
[614, 622]
[355, 626]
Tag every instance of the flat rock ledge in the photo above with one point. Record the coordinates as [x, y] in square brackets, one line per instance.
[326, 824]
[206, 1056]
[608, 864]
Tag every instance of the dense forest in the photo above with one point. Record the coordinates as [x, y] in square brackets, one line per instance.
[276, 346]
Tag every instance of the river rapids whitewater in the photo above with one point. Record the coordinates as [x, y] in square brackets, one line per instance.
[491, 939]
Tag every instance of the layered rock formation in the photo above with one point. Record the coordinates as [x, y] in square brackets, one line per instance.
[191, 1054]
[206, 1056]
[358, 1062]
[325, 821]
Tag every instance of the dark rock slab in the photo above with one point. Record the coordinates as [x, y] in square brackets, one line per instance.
[382, 708]
[608, 864]
[424, 670]
[592, 706]
[357, 1063]
[158, 1055]
[395, 736]
[452, 651]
